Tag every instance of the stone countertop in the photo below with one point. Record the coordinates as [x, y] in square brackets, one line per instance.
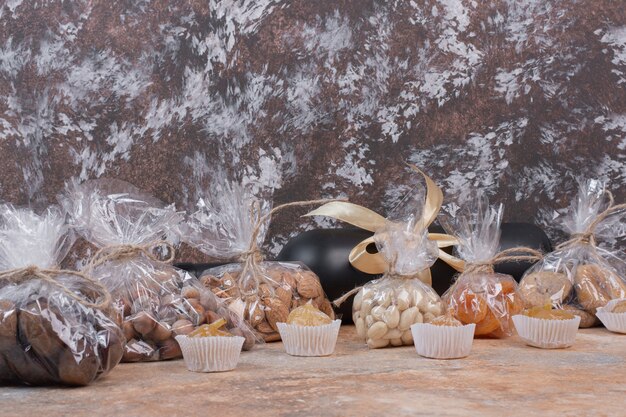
[500, 377]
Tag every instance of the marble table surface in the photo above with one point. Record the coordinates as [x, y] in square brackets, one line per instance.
[500, 377]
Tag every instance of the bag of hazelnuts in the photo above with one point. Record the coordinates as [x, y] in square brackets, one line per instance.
[156, 301]
[56, 326]
[230, 224]
[580, 276]
[384, 309]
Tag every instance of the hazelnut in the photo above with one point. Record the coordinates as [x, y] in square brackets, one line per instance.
[143, 323]
[182, 327]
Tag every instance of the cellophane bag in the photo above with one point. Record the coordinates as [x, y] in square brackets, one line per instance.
[479, 295]
[384, 309]
[579, 276]
[55, 326]
[155, 300]
[227, 225]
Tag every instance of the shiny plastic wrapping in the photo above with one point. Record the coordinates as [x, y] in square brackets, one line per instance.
[55, 326]
[384, 309]
[579, 276]
[155, 301]
[228, 224]
[479, 295]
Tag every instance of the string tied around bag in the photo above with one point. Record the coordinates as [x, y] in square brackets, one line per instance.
[587, 237]
[50, 276]
[118, 252]
[253, 255]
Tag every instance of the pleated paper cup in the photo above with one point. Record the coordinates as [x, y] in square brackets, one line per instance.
[546, 334]
[309, 340]
[443, 342]
[615, 322]
[211, 353]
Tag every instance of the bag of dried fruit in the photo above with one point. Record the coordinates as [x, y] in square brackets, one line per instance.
[55, 325]
[579, 276]
[156, 300]
[479, 295]
[384, 309]
[231, 224]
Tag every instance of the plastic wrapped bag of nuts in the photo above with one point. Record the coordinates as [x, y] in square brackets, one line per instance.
[56, 326]
[231, 225]
[579, 276]
[156, 301]
[479, 295]
[384, 309]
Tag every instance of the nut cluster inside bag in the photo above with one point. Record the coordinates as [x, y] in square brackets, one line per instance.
[384, 309]
[56, 326]
[479, 295]
[230, 224]
[579, 276]
[155, 301]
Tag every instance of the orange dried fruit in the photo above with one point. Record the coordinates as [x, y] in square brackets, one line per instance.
[470, 307]
[488, 325]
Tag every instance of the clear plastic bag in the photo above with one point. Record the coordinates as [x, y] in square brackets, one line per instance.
[55, 325]
[231, 225]
[156, 301]
[479, 295]
[384, 309]
[579, 276]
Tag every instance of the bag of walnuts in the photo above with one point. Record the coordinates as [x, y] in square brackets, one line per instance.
[55, 325]
[232, 226]
[479, 295]
[156, 301]
[384, 309]
[579, 276]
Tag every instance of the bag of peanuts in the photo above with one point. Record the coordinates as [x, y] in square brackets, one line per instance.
[231, 225]
[155, 300]
[479, 295]
[56, 326]
[384, 309]
[579, 276]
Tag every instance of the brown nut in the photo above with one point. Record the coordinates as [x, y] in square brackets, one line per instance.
[196, 311]
[169, 349]
[129, 330]
[143, 323]
[275, 312]
[160, 332]
[212, 316]
[190, 292]
[182, 327]
[309, 285]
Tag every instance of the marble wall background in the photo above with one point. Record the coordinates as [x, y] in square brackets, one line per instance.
[315, 98]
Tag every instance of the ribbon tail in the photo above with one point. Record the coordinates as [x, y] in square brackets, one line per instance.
[353, 214]
[454, 262]
[434, 198]
[370, 263]
[443, 240]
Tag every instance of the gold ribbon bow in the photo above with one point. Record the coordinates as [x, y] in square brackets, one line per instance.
[361, 217]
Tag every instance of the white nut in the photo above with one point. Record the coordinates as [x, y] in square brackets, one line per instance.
[366, 307]
[377, 343]
[396, 342]
[392, 316]
[407, 337]
[368, 293]
[369, 320]
[360, 327]
[358, 299]
[420, 300]
[385, 299]
[393, 334]
[377, 312]
[419, 318]
[377, 330]
[403, 300]
[407, 318]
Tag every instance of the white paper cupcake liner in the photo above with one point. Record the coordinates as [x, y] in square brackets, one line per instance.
[443, 342]
[546, 334]
[212, 353]
[615, 322]
[309, 340]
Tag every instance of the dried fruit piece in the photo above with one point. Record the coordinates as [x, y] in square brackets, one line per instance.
[212, 329]
[547, 313]
[308, 315]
